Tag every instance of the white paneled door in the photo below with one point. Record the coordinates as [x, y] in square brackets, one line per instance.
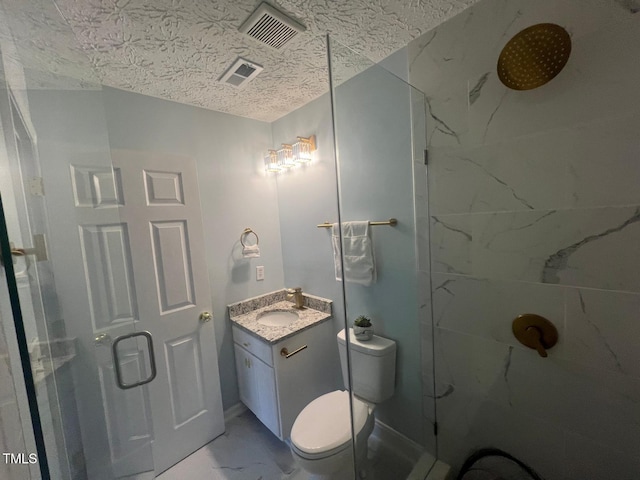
[142, 243]
[98, 292]
[161, 212]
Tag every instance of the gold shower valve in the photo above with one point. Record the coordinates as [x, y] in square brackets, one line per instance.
[535, 332]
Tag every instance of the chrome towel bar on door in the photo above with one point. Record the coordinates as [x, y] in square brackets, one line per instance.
[116, 360]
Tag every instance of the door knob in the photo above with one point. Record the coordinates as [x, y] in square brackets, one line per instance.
[535, 332]
[205, 317]
[39, 249]
[102, 339]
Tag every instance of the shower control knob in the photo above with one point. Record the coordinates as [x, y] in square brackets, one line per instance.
[205, 317]
[535, 332]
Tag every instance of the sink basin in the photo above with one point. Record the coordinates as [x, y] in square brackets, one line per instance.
[277, 318]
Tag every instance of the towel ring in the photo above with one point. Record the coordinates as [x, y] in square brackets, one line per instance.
[246, 232]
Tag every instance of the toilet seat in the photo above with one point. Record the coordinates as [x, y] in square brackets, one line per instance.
[323, 428]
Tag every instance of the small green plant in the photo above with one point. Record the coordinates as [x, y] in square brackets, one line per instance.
[362, 321]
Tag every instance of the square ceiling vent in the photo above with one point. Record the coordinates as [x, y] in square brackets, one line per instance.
[240, 73]
[271, 27]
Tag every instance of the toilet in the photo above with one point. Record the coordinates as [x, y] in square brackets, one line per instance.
[321, 434]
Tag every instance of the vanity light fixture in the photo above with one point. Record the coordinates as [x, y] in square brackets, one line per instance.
[302, 149]
[271, 162]
[285, 157]
[289, 156]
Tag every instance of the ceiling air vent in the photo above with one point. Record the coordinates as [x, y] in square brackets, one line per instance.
[240, 73]
[271, 27]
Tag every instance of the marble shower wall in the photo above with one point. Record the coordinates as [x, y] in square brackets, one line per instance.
[535, 208]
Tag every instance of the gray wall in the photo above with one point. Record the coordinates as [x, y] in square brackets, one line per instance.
[234, 191]
[535, 205]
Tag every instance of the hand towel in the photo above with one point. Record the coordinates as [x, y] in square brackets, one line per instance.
[359, 263]
[251, 251]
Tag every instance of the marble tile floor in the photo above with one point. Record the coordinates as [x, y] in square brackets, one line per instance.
[249, 451]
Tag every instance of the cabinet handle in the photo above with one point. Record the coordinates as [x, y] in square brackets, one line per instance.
[285, 353]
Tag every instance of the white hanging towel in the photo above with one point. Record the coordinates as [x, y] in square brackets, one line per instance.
[251, 251]
[359, 264]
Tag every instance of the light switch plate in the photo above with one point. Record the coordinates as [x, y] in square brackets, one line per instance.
[260, 272]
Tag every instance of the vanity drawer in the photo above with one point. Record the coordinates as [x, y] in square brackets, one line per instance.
[259, 348]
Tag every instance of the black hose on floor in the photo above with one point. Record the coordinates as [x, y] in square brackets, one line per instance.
[495, 464]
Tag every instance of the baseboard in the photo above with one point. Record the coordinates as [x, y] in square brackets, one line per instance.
[234, 411]
[390, 439]
[440, 471]
[423, 468]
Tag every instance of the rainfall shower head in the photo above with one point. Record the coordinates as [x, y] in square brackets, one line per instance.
[534, 56]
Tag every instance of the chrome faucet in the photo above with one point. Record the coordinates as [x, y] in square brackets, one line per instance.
[296, 294]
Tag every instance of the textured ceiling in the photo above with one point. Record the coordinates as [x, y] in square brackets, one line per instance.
[177, 49]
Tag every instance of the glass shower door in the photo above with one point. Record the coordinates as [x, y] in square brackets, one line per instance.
[380, 135]
[62, 197]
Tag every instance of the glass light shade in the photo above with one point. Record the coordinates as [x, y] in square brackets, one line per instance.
[285, 157]
[302, 150]
[271, 162]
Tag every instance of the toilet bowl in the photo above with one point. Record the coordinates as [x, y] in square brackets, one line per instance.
[321, 440]
[321, 436]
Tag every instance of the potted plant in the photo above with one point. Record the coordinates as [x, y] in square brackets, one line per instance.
[362, 328]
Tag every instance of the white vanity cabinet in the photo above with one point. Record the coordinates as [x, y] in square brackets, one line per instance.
[276, 388]
[257, 384]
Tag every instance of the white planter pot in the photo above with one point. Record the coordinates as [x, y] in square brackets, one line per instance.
[363, 334]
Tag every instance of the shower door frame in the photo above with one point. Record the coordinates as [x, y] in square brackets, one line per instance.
[25, 362]
[7, 106]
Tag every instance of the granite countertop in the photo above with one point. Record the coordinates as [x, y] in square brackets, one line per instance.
[47, 357]
[46, 367]
[248, 320]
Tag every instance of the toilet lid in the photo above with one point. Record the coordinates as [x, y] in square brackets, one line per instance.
[325, 424]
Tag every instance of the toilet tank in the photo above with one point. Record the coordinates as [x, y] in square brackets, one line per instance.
[373, 366]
